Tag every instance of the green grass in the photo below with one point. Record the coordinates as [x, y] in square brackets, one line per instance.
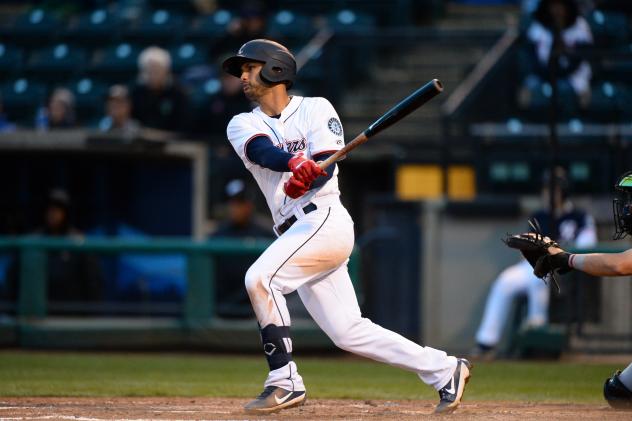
[93, 374]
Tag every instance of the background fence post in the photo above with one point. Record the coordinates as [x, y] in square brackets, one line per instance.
[200, 297]
[32, 282]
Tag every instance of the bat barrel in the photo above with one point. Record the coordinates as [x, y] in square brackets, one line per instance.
[405, 107]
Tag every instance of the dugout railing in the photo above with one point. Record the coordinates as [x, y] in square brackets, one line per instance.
[27, 323]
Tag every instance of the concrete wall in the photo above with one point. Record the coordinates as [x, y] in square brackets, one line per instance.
[462, 257]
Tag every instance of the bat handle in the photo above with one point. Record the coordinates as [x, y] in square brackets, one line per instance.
[338, 155]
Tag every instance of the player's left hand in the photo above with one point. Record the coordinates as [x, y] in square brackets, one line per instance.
[295, 188]
[305, 170]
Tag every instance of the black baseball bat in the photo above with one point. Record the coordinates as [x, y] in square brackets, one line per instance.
[392, 116]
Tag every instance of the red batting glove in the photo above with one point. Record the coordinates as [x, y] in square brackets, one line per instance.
[295, 188]
[305, 170]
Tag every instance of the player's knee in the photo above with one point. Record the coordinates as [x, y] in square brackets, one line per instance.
[253, 280]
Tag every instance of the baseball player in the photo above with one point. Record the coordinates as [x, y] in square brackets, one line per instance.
[574, 226]
[280, 143]
[618, 388]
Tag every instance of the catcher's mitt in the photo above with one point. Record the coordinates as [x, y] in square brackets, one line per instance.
[534, 247]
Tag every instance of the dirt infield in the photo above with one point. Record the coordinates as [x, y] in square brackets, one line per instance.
[94, 409]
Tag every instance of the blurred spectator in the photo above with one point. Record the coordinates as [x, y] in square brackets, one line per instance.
[71, 276]
[5, 124]
[60, 112]
[231, 294]
[158, 101]
[118, 108]
[556, 32]
[575, 228]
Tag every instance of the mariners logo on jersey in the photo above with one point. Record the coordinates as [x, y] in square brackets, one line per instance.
[334, 126]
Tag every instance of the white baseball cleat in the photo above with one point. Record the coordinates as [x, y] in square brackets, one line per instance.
[274, 399]
[450, 395]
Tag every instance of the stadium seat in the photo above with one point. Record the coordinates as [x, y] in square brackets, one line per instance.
[58, 61]
[610, 29]
[21, 98]
[606, 102]
[350, 21]
[187, 54]
[201, 84]
[90, 96]
[178, 6]
[97, 27]
[288, 24]
[158, 26]
[33, 28]
[11, 60]
[355, 60]
[117, 62]
[209, 26]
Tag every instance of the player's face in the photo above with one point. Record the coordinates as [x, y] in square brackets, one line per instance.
[251, 82]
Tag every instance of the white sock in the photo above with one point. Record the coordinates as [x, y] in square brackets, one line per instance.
[626, 377]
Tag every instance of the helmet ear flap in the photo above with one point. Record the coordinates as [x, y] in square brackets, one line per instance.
[273, 72]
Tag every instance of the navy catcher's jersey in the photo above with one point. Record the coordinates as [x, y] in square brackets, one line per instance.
[574, 228]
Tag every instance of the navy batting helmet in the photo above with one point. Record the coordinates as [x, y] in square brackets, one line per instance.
[279, 65]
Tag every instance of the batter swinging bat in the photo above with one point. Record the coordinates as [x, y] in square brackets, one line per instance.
[392, 116]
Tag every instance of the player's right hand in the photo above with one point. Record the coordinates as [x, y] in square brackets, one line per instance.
[295, 188]
[305, 170]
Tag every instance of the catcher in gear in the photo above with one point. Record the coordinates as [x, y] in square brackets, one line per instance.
[550, 259]
[575, 226]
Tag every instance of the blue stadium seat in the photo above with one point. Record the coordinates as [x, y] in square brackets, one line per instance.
[350, 21]
[94, 28]
[117, 62]
[33, 28]
[187, 54]
[57, 61]
[156, 27]
[610, 29]
[90, 96]
[209, 26]
[178, 6]
[21, 97]
[287, 23]
[605, 102]
[355, 60]
[11, 60]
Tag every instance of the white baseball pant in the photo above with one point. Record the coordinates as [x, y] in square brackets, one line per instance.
[311, 257]
[513, 281]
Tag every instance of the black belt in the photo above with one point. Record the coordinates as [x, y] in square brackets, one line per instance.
[281, 228]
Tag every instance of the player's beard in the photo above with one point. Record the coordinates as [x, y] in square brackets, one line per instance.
[254, 91]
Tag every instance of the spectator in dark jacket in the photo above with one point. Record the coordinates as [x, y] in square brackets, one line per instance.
[556, 33]
[241, 223]
[71, 276]
[118, 118]
[158, 101]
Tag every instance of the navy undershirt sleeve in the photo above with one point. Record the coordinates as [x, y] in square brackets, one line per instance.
[262, 151]
[320, 181]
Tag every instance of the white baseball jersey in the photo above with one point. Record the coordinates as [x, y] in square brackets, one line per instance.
[308, 125]
[311, 256]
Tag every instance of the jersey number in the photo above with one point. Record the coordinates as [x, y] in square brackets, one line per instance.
[294, 146]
